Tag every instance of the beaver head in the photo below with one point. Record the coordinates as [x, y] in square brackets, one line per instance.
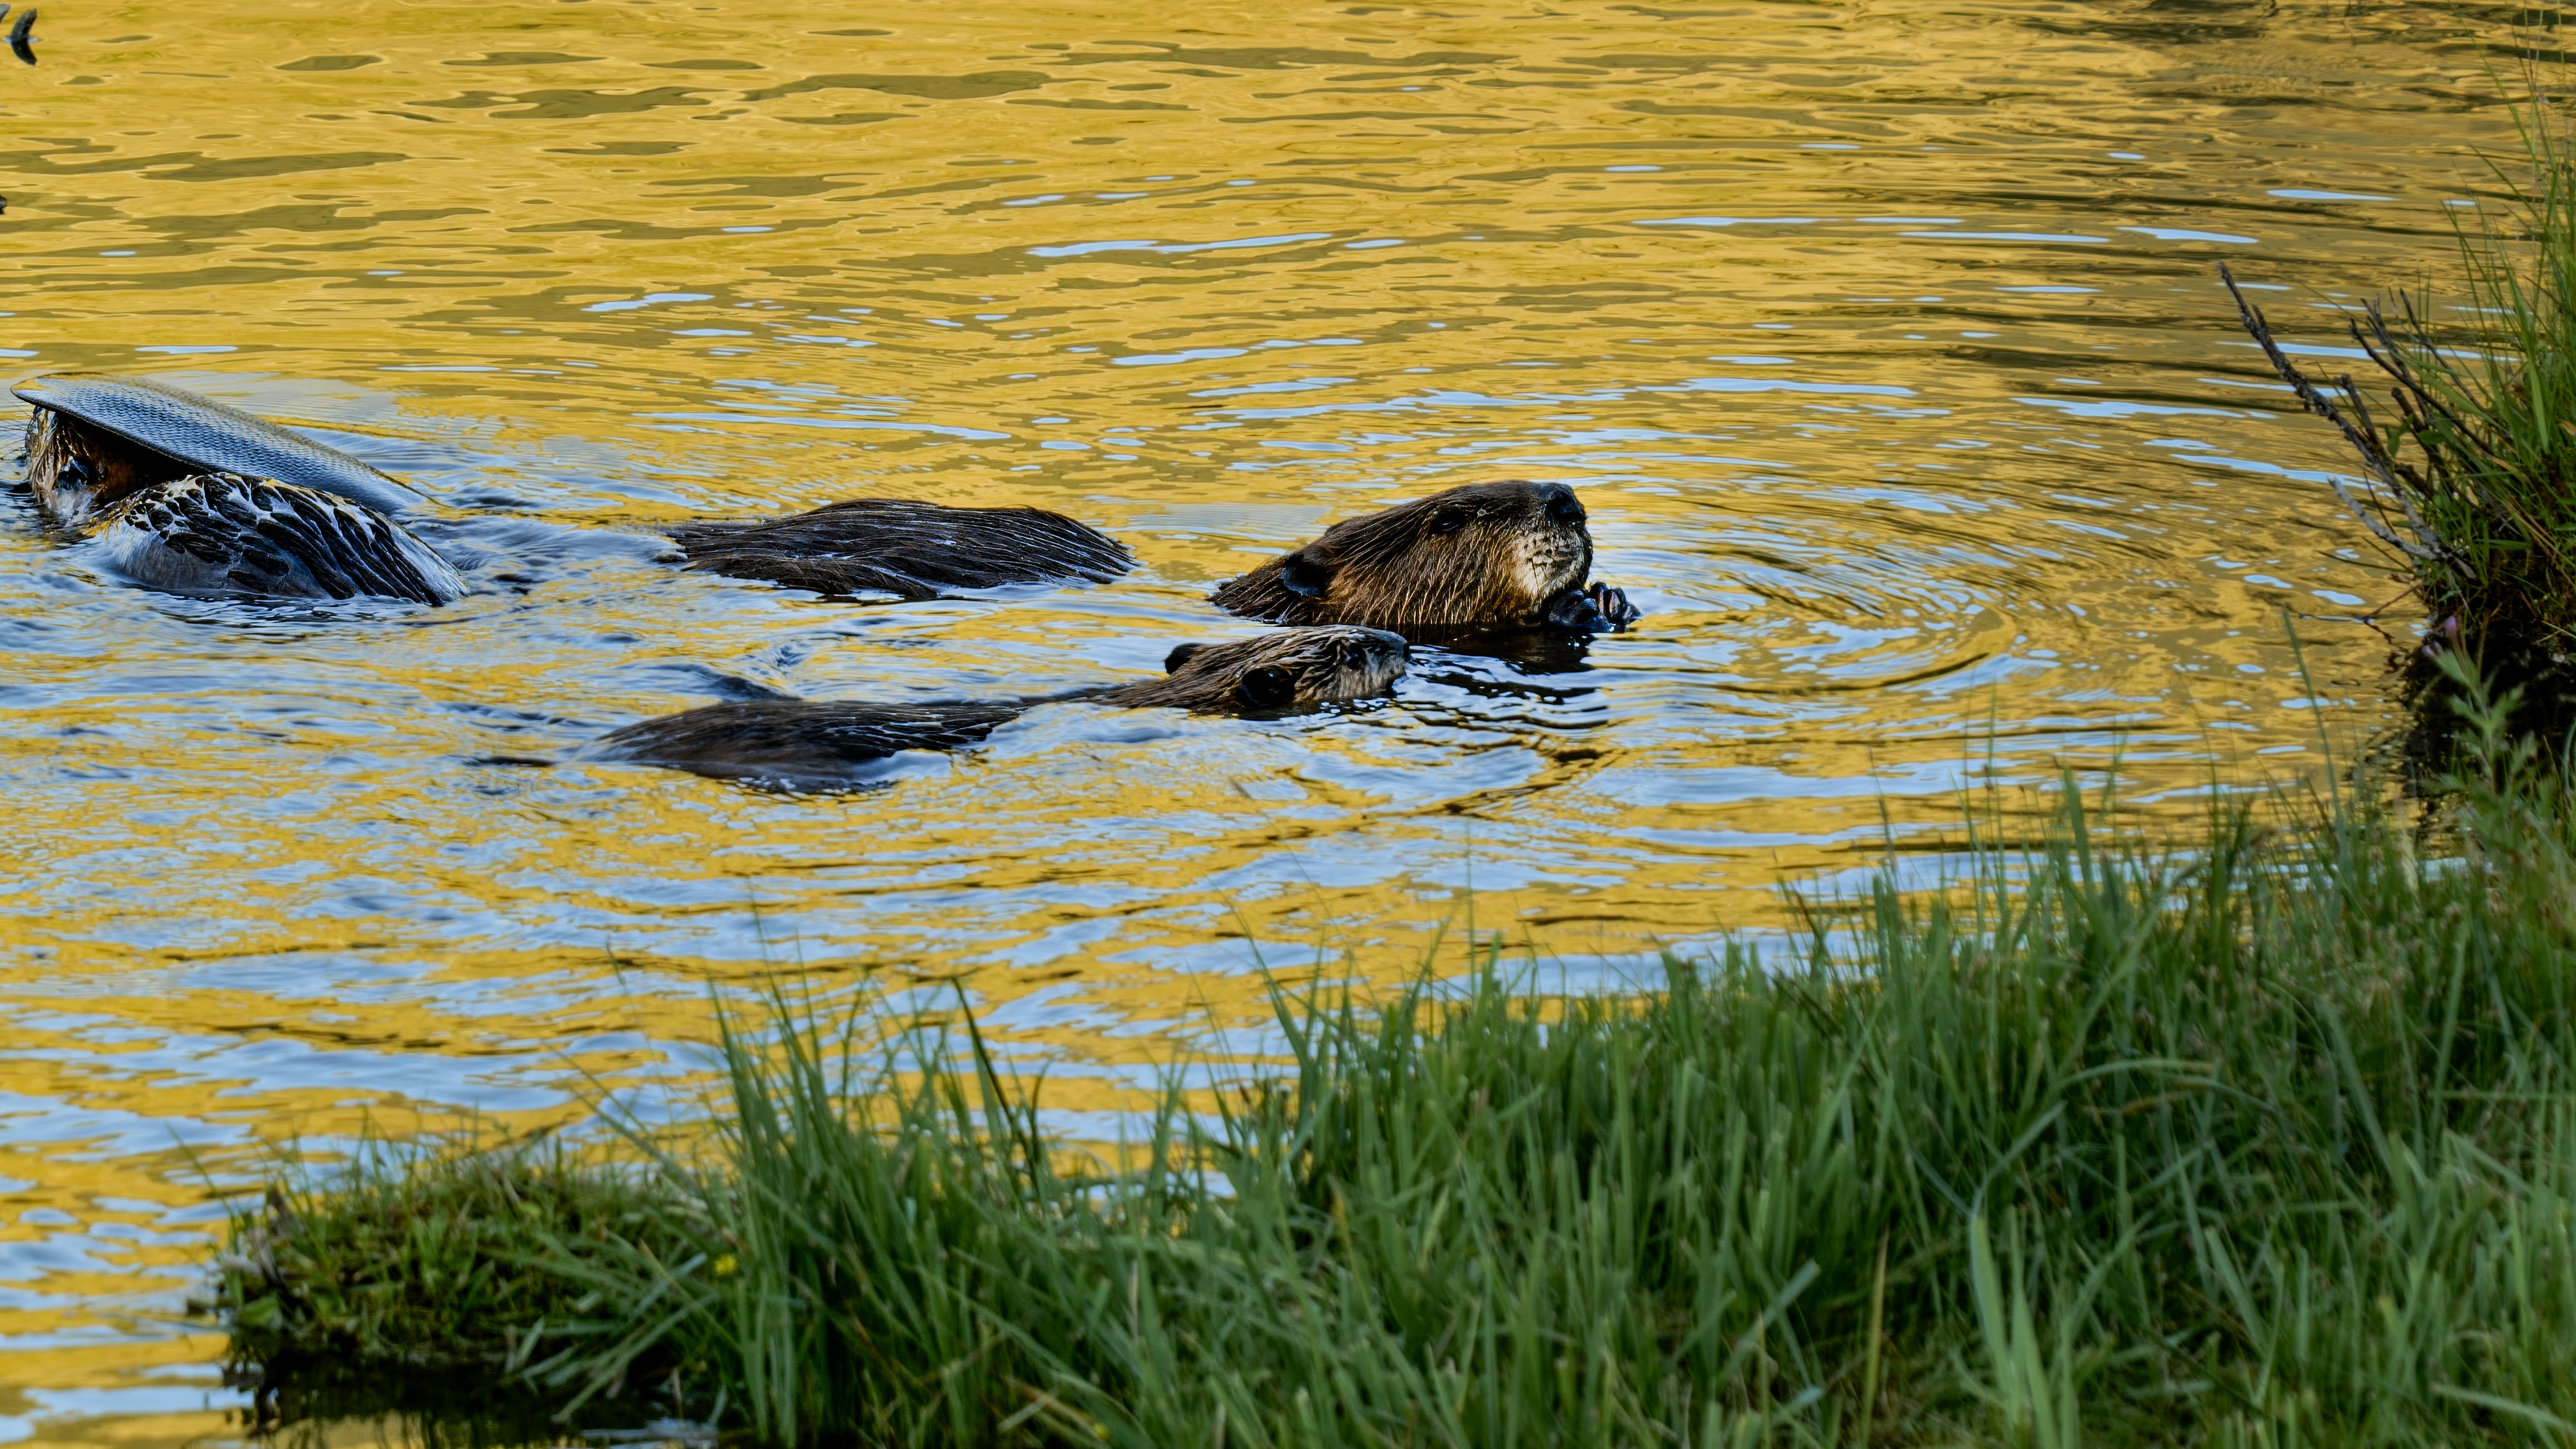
[1485, 556]
[77, 469]
[1286, 670]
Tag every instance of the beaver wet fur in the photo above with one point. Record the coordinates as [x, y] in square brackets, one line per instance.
[218, 534]
[816, 743]
[904, 547]
[1508, 555]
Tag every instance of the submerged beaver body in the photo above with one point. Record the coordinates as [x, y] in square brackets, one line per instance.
[223, 534]
[911, 549]
[1509, 555]
[822, 744]
[179, 493]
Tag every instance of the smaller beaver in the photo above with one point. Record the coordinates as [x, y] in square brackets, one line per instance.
[816, 744]
[1509, 555]
[904, 547]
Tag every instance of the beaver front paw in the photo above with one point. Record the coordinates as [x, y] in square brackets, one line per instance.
[1599, 609]
[1614, 606]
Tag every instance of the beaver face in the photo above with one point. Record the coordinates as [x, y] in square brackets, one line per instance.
[1488, 555]
[76, 469]
[1287, 670]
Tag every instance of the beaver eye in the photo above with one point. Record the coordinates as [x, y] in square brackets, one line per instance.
[1448, 520]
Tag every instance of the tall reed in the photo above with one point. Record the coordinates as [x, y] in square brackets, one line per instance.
[2267, 1141]
[2475, 457]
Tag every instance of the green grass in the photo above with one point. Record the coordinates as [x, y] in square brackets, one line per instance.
[418, 1259]
[2268, 1141]
[2469, 424]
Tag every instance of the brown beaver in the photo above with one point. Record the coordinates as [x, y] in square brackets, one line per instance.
[1509, 555]
[905, 547]
[178, 492]
[817, 744]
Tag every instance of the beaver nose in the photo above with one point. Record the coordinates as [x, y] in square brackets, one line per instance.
[1562, 505]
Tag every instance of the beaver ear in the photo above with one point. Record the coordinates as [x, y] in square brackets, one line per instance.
[1303, 574]
[1179, 656]
[1268, 687]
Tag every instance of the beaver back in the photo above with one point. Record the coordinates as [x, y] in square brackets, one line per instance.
[905, 547]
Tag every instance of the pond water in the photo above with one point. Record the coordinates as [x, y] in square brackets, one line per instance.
[1883, 341]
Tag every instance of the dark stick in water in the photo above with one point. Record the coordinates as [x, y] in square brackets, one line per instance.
[21, 33]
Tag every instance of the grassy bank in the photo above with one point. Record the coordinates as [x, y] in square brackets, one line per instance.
[2267, 1141]
[2463, 414]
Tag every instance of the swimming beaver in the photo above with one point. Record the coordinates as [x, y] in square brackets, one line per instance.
[816, 744]
[904, 547]
[95, 440]
[178, 492]
[1507, 555]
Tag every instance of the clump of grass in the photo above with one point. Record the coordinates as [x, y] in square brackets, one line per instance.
[2271, 1141]
[422, 1264]
[2476, 456]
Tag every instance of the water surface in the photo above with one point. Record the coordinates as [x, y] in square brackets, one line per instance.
[1882, 340]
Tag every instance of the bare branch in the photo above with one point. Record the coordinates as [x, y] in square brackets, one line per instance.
[2423, 532]
[2373, 456]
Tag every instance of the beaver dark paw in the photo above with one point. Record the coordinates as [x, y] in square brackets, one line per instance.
[1599, 609]
[1614, 606]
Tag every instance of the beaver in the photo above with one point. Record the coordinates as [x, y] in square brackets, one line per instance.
[178, 492]
[94, 440]
[816, 744]
[1507, 555]
[904, 547]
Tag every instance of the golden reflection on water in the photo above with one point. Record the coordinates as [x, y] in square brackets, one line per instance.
[1882, 339]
